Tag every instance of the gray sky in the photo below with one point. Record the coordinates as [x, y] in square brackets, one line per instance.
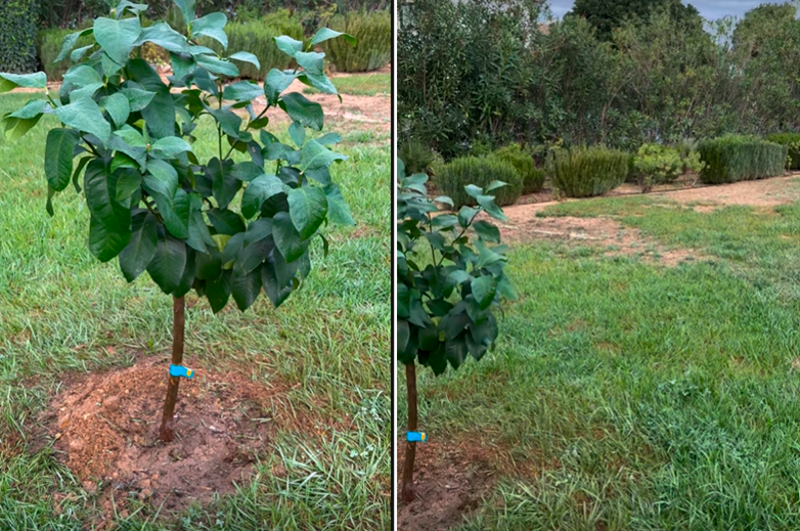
[709, 9]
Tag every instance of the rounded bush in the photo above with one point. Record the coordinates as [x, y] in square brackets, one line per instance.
[416, 157]
[522, 160]
[588, 172]
[373, 49]
[458, 173]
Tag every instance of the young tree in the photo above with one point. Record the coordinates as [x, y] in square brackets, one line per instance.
[449, 280]
[153, 204]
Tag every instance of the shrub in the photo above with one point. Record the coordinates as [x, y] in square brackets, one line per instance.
[791, 141]
[458, 173]
[587, 172]
[522, 160]
[736, 158]
[258, 37]
[18, 20]
[657, 164]
[417, 158]
[373, 34]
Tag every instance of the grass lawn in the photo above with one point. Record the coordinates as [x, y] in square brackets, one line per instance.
[636, 396]
[61, 312]
[360, 85]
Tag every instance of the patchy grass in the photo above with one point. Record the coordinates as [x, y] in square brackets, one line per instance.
[61, 310]
[640, 396]
[360, 85]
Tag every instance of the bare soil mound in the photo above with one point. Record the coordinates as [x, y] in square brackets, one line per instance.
[105, 427]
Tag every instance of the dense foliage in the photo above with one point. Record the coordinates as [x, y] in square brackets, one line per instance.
[372, 31]
[452, 178]
[587, 172]
[18, 35]
[659, 164]
[470, 73]
[738, 158]
[522, 160]
[607, 16]
[792, 142]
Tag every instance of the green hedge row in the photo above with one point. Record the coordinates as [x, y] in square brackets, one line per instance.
[452, 177]
[737, 158]
[522, 160]
[791, 141]
[18, 19]
[373, 49]
[588, 172]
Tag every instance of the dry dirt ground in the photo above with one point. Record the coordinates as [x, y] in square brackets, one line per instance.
[617, 239]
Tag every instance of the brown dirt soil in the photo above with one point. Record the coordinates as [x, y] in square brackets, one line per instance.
[105, 427]
[450, 481]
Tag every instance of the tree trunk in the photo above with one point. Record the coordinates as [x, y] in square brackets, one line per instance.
[178, 325]
[411, 447]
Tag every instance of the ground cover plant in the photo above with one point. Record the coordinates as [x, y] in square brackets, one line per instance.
[445, 306]
[629, 394]
[90, 312]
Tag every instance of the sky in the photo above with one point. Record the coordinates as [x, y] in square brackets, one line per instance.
[709, 9]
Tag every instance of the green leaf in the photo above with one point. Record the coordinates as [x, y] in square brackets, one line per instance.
[168, 263]
[288, 45]
[58, 157]
[473, 191]
[175, 212]
[258, 191]
[162, 178]
[16, 128]
[308, 207]
[276, 82]
[163, 35]
[9, 82]
[314, 155]
[138, 98]
[287, 239]
[242, 91]
[312, 63]
[246, 171]
[129, 181]
[466, 215]
[218, 291]
[224, 185]
[298, 134]
[77, 173]
[49, 204]
[182, 65]
[117, 107]
[318, 81]
[444, 200]
[188, 277]
[338, 210]
[82, 76]
[131, 136]
[211, 25]
[77, 55]
[303, 110]
[170, 146]
[245, 288]
[100, 189]
[85, 116]
[187, 8]
[276, 292]
[225, 221]
[117, 37]
[487, 231]
[246, 57]
[217, 66]
[160, 114]
[68, 44]
[32, 109]
[141, 248]
[105, 243]
[494, 185]
[325, 34]
[484, 289]
[488, 204]
[229, 121]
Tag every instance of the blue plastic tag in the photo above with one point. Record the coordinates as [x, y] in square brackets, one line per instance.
[179, 371]
[416, 436]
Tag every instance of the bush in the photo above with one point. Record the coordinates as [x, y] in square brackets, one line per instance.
[18, 20]
[48, 46]
[587, 172]
[791, 141]
[373, 49]
[417, 158]
[737, 158]
[458, 173]
[657, 164]
[522, 160]
[258, 37]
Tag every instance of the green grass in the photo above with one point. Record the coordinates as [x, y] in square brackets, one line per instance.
[60, 308]
[360, 85]
[643, 397]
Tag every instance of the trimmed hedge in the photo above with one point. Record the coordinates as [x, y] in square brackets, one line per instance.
[258, 37]
[452, 177]
[373, 49]
[522, 160]
[588, 172]
[738, 158]
[18, 19]
[791, 141]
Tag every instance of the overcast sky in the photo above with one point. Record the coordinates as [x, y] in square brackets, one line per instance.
[709, 9]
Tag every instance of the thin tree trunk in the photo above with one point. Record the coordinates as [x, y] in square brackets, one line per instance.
[178, 325]
[411, 447]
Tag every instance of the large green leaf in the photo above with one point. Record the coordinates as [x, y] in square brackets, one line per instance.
[287, 239]
[82, 76]
[85, 115]
[276, 292]
[69, 43]
[138, 98]
[9, 82]
[170, 147]
[246, 57]
[162, 178]
[58, 157]
[288, 45]
[187, 8]
[223, 184]
[314, 156]
[484, 289]
[168, 263]
[118, 107]
[104, 243]
[324, 34]
[217, 66]
[308, 207]
[175, 212]
[100, 186]
[117, 37]
[338, 210]
[139, 252]
[303, 110]
[276, 82]
[242, 91]
[164, 36]
[218, 291]
[211, 25]
[226, 222]
[258, 191]
[245, 288]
